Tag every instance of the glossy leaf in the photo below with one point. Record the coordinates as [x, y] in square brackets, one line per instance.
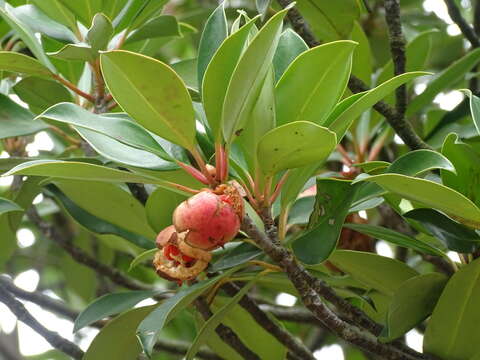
[396, 238]
[332, 203]
[214, 33]
[218, 74]
[240, 254]
[412, 303]
[416, 162]
[378, 272]
[452, 330]
[474, 109]
[294, 145]
[248, 76]
[121, 332]
[430, 194]
[149, 328]
[160, 206]
[160, 26]
[99, 34]
[55, 10]
[362, 59]
[301, 96]
[144, 256]
[149, 9]
[7, 206]
[15, 62]
[81, 52]
[289, 47]
[84, 10]
[162, 106]
[455, 236]
[108, 305]
[16, 120]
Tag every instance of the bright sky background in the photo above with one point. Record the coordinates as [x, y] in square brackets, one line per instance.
[31, 343]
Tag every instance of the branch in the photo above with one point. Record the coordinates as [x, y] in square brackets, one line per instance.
[225, 333]
[306, 288]
[403, 128]
[181, 348]
[397, 48]
[298, 349]
[75, 89]
[464, 26]
[58, 342]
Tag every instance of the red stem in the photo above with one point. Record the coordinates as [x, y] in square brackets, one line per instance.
[75, 89]
[278, 187]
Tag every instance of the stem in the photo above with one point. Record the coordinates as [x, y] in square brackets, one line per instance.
[219, 162]
[278, 187]
[266, 190]
[63, 134]
[198, 175]
[282, 223]
[75, 89]
[203, 167]
[345, 155]
[182, 188]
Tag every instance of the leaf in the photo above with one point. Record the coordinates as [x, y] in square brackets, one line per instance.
[108, 305]
[378, 272]
[412, 303]
[121, 332]
[16, 62]
[445, 79]
[84, 10]
[362, 59]
[149, 328]
[455, 236]
[332, 202]
[416, 162]
[99, 34]
[7, 206]
[240, 254]
[262, 6]
[16, 120]
[80, 52]
[294, 145]
[218, 74]
[396, 238]
[248, 76]
[210, 325]
[162, 106]
[40, 93]
[311, 98]
[452, 330]
[467, 163]
[289, 47]
[55, 10]
[214, 33]
[149, 9]
[98, 225]
[149, 254]
[160, 26]
[474, 109]
[160, 206]
[370, 166]
[430, 194]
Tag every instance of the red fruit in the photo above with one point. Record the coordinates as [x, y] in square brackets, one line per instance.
[210, 220]
[167, 234]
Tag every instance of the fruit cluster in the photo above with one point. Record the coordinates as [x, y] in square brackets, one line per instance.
[201, 224]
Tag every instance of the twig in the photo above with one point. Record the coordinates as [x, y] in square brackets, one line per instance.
[397, 48]
[464, 26]
[180, 348]
[75, 89]
[58, 342]
[403, 128]
[225, 333]
[297, 348]
[292, 314]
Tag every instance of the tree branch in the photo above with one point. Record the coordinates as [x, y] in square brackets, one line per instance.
[464, 26]
[58, 342]
[403, 128]
[298, 349]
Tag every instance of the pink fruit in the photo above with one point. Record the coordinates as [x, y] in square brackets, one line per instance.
[210, 220]
[165, 236]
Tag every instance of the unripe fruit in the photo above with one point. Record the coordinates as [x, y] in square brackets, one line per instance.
[209, 219]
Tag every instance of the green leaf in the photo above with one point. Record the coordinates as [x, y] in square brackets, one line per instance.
[84, 10]
[362, 59]
[108, 305]
[209, 326]
[332, 202]
[149, 328]
[455, 236]
[370, 166]
[99, 34]
[378, 272]
[120, 332]
[294, 145]
[16, 120]
[474, 109]
[452, 332]
[162, 106]
[80, 52]
[289, 47]
[240, 254]
[16, 62]
[98, 225]
[262, 6]
[40, 93]
[7, 206]
[300, 96]
[218, 74]
[416, 162]
[160, 26]
[55, 10]
[149, 254]
[214, 33]
[396, 238]
[149, 9]
[160, 206]
[248, 76]
[430, 194]
[412, 303]
[467, 163]
[444, 80]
